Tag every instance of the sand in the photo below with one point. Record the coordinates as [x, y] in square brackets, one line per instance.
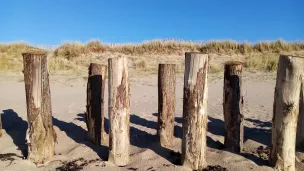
[68, 105]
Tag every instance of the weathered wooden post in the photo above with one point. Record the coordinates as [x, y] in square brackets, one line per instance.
[285, 112]
[119, 111]
[195, 111]
[41, 135]
[233, 106]
[95, 103]
[300, 130]
[166, 103]
[0, 126]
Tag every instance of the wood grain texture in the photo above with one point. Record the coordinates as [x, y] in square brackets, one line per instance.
[42, 137]
[233, 106]
[95, 103]
[0, 126]
[195, 111]
[119, 111]
[300, 130]
[166, 103]
[286, 111]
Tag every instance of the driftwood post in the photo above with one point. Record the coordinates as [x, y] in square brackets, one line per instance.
[300, 130]
[0, 126]
[95, 103]
[119, 111]
[195, 111]
[285, 112]
[41, 135]
[233, 106]
[166, 103]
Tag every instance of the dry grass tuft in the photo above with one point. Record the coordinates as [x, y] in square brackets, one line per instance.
[155, 47]
[94, 46]
[11, 56]
[16, 49]
[69, 50]
[232, 47]
[266, 62]
[10, 65]
[173, 47]
[75, 57]
[141, 65]
[215, 68]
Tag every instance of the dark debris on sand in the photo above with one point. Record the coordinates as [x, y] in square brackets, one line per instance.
[77, 165]
[215, 168]
[263, 152]
[8, 157]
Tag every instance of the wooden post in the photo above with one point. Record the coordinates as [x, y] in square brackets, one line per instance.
[233, 106]
[195, 111]
[0, 126]
[300, 130]
[285, 112]
[166, 103]
[95, 103]
[119, 111]
[41, 135]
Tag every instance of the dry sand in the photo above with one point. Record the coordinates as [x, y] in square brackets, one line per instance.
[68, 104]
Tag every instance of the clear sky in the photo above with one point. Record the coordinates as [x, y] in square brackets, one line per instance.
[53, 22]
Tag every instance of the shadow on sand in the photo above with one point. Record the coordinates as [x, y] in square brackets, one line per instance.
[79, 135]
[16, 128]
[259, 123]
[178, 130]
[143, 139]
[81, 117]
[261, 135]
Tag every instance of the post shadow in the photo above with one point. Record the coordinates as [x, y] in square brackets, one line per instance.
[300, 148]
[178, 120]
[79, 135]
[261, 135]
[178, 130]
[260, 123]
[142, 139]
[143, 122]
[81, 117]
[16, 128]
[216, 127]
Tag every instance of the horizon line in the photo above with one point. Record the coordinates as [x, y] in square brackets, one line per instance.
[151, 40]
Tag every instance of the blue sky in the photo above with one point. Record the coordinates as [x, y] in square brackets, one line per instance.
[53, 22]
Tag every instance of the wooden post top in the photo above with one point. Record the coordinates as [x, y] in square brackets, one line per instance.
[97, 65]
[233, 63]
[34, 53]
[92, 63]
[293, 56]
[166, 64]
[117, 58]
[97, 69]
[196, 53]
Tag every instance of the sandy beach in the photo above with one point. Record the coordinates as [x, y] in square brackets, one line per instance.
[68, 106]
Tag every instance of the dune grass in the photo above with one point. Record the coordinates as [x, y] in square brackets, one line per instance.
[266, 62]
[11, 56]
[169, 47]
[74, 57]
